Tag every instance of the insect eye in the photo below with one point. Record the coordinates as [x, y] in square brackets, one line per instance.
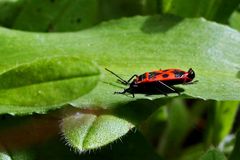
[191, 73]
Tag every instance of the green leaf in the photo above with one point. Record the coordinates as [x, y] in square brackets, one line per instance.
[222, 120]
[135, 45]
[218, 10]
[146, 42]
[213, 154]
[235, 20]
[87, 131]
[45, 83]
[90, 129]
[179, 123]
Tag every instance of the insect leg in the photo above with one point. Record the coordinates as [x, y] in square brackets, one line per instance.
[133, 95]
[191, 82]
[125, 91]
[167, 86]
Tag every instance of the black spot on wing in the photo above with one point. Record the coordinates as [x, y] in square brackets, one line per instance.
[152, 75]
[165, 75]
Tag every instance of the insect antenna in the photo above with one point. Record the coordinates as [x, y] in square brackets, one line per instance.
[120, 79]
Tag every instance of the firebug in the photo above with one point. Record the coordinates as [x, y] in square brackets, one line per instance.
[160, 81]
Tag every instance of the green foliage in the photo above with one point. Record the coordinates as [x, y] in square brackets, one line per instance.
[236, 153]
[66, 15]
[235, 20]
[152, 38]
[221, 120]
[213, 154]
[87, 131]
[132, 146]
[3, 154]
[178, 127]
[84, 131]
[45, 83]
[135, 148]
[218, 10]
[193, 152]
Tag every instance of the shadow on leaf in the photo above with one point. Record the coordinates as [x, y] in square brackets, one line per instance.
[157, 24]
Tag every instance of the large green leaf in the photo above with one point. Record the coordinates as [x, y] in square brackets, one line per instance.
[135, 45]
[45, 83]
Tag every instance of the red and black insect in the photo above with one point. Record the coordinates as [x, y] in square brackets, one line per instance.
[160, 81]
